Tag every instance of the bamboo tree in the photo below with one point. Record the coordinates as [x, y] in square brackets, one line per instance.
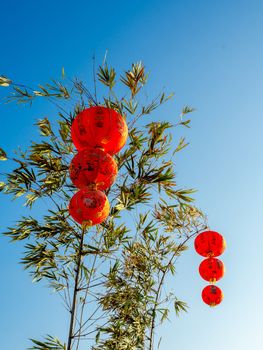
[110, 276]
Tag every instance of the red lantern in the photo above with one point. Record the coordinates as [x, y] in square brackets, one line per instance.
[212, 295]
[209, 243]
[94, 168]
[89, 207]
[211, 269]
[99, 127]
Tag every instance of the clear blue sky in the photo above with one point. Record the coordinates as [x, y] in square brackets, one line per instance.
[211, 54]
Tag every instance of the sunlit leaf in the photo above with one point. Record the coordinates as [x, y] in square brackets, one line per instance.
[3, 155]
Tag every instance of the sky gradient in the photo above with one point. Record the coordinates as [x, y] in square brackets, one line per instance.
[210, 54]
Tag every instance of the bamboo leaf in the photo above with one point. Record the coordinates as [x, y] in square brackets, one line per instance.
[180, 306]
[182, 144]
[4, 81]
[3, 155]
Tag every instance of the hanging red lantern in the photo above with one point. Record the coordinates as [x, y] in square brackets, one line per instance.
[209, 243]
[89, 207]
[99, 127]
[211, 269]
[93, 168]
[212, 295]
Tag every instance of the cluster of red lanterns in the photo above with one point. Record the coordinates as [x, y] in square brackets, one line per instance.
[98, 133]
[211, 244]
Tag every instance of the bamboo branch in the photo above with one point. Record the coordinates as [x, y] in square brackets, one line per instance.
[86, 294]
[158, 292]
[74, 300]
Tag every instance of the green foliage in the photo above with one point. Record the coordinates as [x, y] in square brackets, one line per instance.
[179, 306]
[111, 276]
[50, 343]
[135, 78]
[107, 76]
